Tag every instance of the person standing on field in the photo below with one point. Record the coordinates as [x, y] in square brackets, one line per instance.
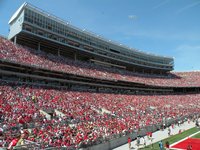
[129, 143]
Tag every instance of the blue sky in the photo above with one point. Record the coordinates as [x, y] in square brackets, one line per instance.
[163, 27]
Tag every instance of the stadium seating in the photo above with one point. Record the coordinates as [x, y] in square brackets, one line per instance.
[48, 61]
[83, 122]
[85, 118]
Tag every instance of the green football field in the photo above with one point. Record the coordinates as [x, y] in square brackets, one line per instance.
[174, 138]
[197, 136]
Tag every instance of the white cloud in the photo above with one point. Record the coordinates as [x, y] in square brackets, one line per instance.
[187, 7]
[133, 17]
[161, 4]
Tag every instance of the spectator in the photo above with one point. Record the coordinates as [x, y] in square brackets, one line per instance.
[169, 131]
[138, 142]
[13, 142]
[160, 145]
[167, 145]
[129, 143]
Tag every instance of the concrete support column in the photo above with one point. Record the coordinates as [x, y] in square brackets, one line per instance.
[58, 52]
[15, 40]
[39, 46]
[75, 56]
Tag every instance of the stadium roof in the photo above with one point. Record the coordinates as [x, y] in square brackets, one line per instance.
[15, 15]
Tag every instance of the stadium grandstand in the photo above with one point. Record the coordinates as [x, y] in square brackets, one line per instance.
[65, 88]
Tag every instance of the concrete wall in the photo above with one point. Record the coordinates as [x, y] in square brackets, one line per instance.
[46, 114]
[58, 113]
[16, 26]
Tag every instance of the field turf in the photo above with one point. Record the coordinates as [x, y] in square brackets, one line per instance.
[197, 136]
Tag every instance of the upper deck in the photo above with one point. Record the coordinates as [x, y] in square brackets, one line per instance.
[40, 28]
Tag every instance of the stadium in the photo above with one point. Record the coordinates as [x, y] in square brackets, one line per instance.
[66, 88]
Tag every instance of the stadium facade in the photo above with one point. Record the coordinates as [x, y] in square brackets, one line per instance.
[40, 30]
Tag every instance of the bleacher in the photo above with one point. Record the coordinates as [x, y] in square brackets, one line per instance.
[82, 123]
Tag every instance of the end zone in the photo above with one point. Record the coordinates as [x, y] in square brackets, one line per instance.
[183, 144]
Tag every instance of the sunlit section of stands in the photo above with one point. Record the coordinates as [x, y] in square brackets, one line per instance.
[84, 118]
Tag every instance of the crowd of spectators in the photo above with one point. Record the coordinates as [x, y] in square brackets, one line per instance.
[82, 121]
[85, 118]
[19, 54]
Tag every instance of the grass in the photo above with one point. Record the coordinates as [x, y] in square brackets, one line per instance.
[173, 139]
[197, 136]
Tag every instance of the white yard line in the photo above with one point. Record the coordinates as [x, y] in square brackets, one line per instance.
[177, 149]
[185, 138]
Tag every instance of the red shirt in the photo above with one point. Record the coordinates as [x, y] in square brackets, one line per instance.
[129, 140]
[13, 143]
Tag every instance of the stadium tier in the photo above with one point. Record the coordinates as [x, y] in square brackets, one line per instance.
[25, 55]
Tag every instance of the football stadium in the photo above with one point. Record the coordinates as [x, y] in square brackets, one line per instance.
[62, 87]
